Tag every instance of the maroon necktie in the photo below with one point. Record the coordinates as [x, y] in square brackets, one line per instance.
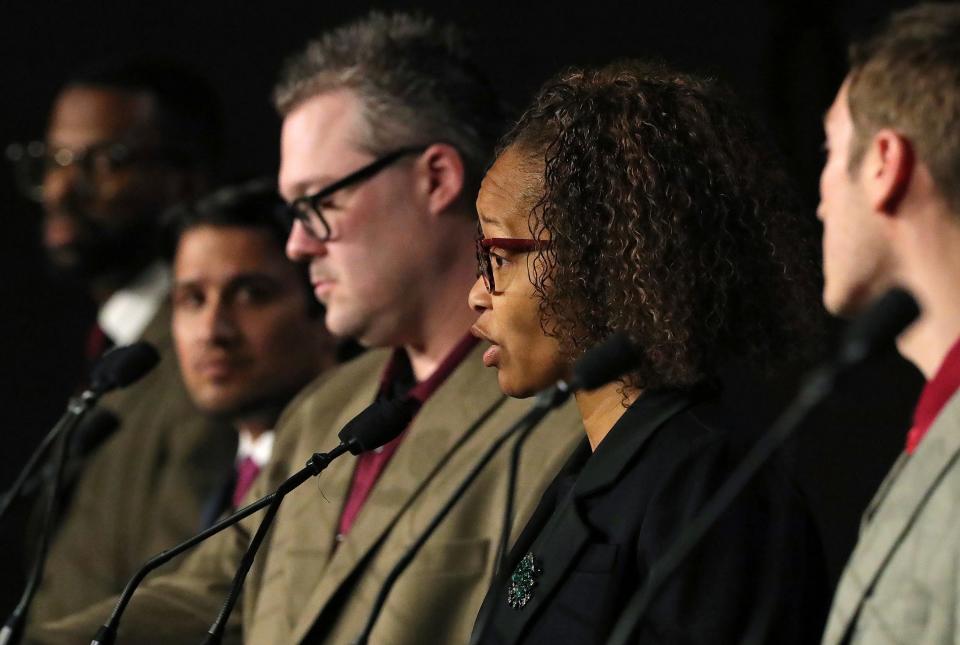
[97, 343]
[247, 471]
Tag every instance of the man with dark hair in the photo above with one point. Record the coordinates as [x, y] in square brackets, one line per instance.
[247, 330]
[247, 335]
[890, 205]
[386, 127]
[124, 142]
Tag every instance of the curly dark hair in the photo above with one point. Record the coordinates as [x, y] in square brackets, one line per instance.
[670, 219]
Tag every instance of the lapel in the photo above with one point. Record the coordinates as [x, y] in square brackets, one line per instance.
[157, 332]
[443, 425]
[316, 513]
[892, 513]
[569, 531]
[902, 459]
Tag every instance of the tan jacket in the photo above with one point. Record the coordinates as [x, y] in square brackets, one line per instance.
[141, 491]
[902, 583]
[303, 588]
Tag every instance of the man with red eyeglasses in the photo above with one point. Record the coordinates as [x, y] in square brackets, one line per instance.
[387, 129]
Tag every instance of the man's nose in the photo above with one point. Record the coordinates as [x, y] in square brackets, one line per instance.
[219, 325]
[302, 245]
[62, 186]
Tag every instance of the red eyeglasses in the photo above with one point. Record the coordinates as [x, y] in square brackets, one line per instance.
[489, 264]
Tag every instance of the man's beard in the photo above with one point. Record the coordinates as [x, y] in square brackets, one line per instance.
[103, 256]
[265, 409]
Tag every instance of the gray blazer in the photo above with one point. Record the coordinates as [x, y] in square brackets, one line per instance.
[902, 583]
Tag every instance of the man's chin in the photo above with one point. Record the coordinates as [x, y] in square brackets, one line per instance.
[231, 409]
[851, 302]
[73, 266]
[343, 323]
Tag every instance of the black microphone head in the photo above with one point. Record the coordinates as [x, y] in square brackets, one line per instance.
[609, 360]
[122, 366]
[378, 424]
[880, 323]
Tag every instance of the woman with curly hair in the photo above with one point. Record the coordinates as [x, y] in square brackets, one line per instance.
[635, 199]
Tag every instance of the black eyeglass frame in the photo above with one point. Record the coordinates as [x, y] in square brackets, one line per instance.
[307, 207]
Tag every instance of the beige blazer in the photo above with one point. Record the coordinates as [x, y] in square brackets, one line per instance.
[902, 583]
[307, 587]
[143, 489]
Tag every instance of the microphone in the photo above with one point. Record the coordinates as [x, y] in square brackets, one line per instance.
[123, 365]
[877, 326]
[883, 321]
[600, 365]
[606, 362]
[376, 425]
[117, 368]
[98, 426]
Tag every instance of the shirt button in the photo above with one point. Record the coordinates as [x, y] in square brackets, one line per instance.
[340, 537]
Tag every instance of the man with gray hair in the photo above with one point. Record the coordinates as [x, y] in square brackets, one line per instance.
[387, 127]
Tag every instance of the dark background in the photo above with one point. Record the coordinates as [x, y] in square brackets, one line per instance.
[785, 59]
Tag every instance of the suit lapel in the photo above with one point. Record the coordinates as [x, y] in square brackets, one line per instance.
[883, 490]
[439, 429]
[157, 331]
[549, 503]
[569, 531]
[321, 507]
[892, 513]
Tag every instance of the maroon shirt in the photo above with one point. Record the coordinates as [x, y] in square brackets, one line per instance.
[935, 395]
[371, 464]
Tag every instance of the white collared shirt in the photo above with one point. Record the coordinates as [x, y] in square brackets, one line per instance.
[126, 314]
[259, 449]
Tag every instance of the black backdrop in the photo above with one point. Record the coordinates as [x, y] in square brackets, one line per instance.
[785, 59]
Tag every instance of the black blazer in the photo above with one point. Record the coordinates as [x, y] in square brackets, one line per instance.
[610, 514]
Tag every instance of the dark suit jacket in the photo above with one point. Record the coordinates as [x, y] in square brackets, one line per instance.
[609, 515]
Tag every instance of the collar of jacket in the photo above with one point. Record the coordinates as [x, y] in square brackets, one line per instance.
[628, 436]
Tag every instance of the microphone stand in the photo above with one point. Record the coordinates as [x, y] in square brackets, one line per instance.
[30, 467]
[107, 633]
[545, 402]
[215, 633]
[507, 524]
[76, 410]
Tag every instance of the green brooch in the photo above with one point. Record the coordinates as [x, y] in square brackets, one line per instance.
[522, 582]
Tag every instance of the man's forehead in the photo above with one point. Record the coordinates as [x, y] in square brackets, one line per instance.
[319, 142]
[83, 113]
[228, 249]
[839, 108]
